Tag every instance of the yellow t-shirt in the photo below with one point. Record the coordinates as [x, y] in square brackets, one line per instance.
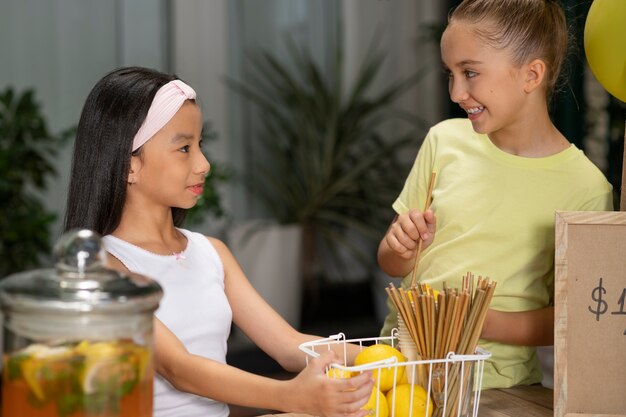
[495, 218]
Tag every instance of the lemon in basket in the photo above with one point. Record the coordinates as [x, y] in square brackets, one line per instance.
[370, 406]
[379, 352]
[337, 373]
[399, 401]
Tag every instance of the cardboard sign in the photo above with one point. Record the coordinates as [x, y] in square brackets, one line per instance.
[622, 198]
[590, 314]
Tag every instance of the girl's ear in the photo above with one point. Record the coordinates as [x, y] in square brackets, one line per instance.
[535, 73]
[135, 166]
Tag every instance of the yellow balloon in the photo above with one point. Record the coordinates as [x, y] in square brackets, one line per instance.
[605, 44]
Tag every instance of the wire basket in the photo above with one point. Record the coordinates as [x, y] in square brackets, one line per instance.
[452, 385]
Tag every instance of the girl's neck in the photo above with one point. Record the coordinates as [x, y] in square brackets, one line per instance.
[153, 232]
[532, 136]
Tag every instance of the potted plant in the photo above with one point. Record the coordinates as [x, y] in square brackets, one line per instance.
[322, 162]
[26, 151]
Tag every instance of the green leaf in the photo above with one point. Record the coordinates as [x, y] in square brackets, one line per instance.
[67, 404]
[13, 366]
[27, 152]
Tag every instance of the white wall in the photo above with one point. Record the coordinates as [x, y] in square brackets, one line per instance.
[399, 24]
[210, 38]
[62, 47]
[199, 56]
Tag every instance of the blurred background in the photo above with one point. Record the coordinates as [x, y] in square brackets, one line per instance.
[314, 111]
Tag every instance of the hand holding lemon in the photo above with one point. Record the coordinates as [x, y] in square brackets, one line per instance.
[338, 373]
[402, 399]
[380, 352]
[322, 390]
[376, 406]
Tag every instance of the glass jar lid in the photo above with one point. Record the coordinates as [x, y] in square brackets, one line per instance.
[79, 283]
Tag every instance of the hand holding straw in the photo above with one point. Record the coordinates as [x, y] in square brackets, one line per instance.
[421, 241]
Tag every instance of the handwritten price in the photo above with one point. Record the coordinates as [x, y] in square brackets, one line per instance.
[601, 306]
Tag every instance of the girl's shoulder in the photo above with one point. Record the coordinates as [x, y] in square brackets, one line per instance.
[218, 244]
[452, 134]
[452, 127]
[207, 241]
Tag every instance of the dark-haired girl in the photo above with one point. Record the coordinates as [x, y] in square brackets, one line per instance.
[137, 167]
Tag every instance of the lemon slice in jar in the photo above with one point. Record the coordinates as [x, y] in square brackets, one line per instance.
[38, 356]
[96, 374]
[30, 369]
[98, 350]
[100, 364]
[142, 355]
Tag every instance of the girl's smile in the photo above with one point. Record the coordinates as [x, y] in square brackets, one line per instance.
[474, 112]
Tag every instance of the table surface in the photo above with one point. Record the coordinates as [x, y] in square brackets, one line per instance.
[521, 401]
[526, 401]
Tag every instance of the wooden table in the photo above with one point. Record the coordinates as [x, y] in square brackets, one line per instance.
[522, 401]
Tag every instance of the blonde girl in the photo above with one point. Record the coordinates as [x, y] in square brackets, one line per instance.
[502, 173]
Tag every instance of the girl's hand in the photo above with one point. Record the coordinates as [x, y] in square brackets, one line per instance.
[315, 393]
[406, 231]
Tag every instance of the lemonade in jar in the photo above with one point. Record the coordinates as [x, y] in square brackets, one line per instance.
[78, 341]
[85, 379]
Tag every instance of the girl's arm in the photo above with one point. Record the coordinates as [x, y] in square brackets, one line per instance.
[528, 328]
[257, 319]
[261, 323]
[311, 392]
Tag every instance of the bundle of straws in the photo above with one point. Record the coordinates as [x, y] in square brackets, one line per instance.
[448, 321]
[451, 322]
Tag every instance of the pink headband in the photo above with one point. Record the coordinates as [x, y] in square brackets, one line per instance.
[167, 101]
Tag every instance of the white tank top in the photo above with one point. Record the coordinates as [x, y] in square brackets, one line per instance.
[194, 307]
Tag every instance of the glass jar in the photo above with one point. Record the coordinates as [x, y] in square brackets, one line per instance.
[78, 338]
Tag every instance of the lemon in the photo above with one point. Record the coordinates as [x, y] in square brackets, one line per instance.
[337, 373]
[399, 401]
[379, 352]
[107, 375]
[48, 352]
[39, 358]
[82, 347]
[96, 373]
[404, 379]
[98, 350]
[142, 356]
[100, 364]
[31, 369]
[370, 406]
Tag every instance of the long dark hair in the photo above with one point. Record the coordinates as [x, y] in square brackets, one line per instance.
[113, 113]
